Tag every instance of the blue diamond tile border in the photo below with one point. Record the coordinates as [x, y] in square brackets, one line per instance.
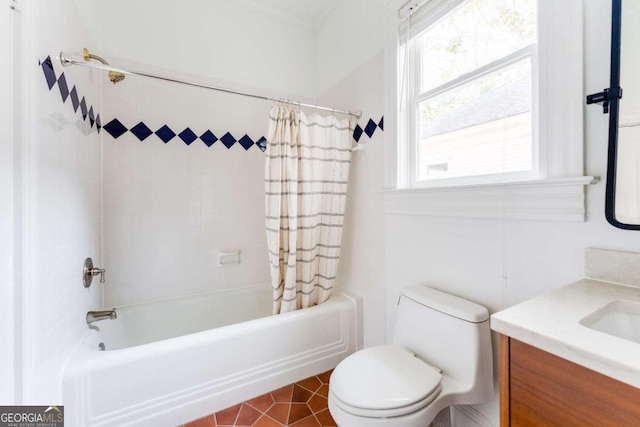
[116, 129]
[64, 89]
[246, 142]
[75, 102]
[208, 138]
[262, 143]
[357, 133]
[83, 108]
[188, 136]
[370, 128]
[92, 118]
[165, 134]
[141, 131]
[228, 140]
[49, 73]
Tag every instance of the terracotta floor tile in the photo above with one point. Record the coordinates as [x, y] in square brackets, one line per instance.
[297, 412]
[307, 422]
[261, 403]
[208, 421]
[323, 390]
[300, 394]
[317, 403]
[228, 416]
[283, 394]
[325, 418]
[247, 415]
[279, 412]
[311, 383]
[324, 377]
[265, 421]
[303, 404]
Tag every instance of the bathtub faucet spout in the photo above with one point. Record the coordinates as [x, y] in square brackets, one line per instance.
[94, 316]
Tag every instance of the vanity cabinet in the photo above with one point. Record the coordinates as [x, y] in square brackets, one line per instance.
[538, 388]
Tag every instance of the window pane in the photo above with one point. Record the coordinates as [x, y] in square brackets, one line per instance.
[482, 127]
[474, 34]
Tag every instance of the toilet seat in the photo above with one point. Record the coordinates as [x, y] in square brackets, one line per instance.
[384, 381]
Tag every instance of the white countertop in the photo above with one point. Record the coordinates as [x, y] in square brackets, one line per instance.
[551, 322]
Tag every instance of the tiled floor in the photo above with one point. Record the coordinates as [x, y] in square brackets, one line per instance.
[303, 404]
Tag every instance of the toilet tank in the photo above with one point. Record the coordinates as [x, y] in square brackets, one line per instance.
[449, 332]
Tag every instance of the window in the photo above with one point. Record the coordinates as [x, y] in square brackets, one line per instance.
[469, 110]
[490, 123]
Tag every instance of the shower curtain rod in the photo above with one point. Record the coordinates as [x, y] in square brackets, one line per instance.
[67, 61]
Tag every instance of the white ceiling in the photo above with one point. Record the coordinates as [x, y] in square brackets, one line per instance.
[310, 13]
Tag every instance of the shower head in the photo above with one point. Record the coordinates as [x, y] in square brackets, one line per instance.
[114, 76]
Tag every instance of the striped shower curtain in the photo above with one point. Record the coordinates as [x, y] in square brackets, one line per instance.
[306, 171]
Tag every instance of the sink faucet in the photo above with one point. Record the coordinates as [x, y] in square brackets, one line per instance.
[94, 316]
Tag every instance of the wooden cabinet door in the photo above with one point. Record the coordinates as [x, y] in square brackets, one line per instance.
[545, 390]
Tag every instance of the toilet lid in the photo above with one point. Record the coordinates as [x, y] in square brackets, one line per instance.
[383, 377]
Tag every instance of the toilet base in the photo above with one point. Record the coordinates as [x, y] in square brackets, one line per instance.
[420, 418]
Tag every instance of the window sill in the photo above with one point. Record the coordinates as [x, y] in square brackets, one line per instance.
[555, 199]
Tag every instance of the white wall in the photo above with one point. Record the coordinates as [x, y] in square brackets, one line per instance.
[229, 40]
[348, 38]
[237, 42]
[60, 188]
[6, 215]
[502, 262]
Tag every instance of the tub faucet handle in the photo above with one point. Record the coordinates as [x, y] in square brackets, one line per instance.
[95, 271]
[89, 271]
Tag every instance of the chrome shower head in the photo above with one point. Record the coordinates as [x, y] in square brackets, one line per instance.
[114, 76]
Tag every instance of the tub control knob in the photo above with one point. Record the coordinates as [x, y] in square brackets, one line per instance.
[89, 271]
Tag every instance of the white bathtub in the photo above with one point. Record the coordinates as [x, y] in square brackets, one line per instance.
[170, 362]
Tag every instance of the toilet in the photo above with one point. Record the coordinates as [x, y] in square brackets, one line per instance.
[441, 356]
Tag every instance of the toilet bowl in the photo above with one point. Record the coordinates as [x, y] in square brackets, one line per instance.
[441, 355]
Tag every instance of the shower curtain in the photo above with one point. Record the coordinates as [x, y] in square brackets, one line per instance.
[306, 172]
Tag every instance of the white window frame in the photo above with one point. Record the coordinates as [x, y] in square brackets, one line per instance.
[558, 184]
[528, 52]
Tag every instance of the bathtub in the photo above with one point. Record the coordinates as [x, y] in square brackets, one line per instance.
[170, 362]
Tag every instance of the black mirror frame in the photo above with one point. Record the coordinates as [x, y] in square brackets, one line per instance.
[610, 100]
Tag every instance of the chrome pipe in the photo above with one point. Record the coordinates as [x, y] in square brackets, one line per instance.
[66, 61]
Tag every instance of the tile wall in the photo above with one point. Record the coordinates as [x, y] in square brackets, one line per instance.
[183, 167]
[181, 185]
[7, 291]
[60, 198]
[168, 202]
[171, 207]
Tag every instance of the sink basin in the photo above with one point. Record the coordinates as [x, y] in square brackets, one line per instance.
[618, 318]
